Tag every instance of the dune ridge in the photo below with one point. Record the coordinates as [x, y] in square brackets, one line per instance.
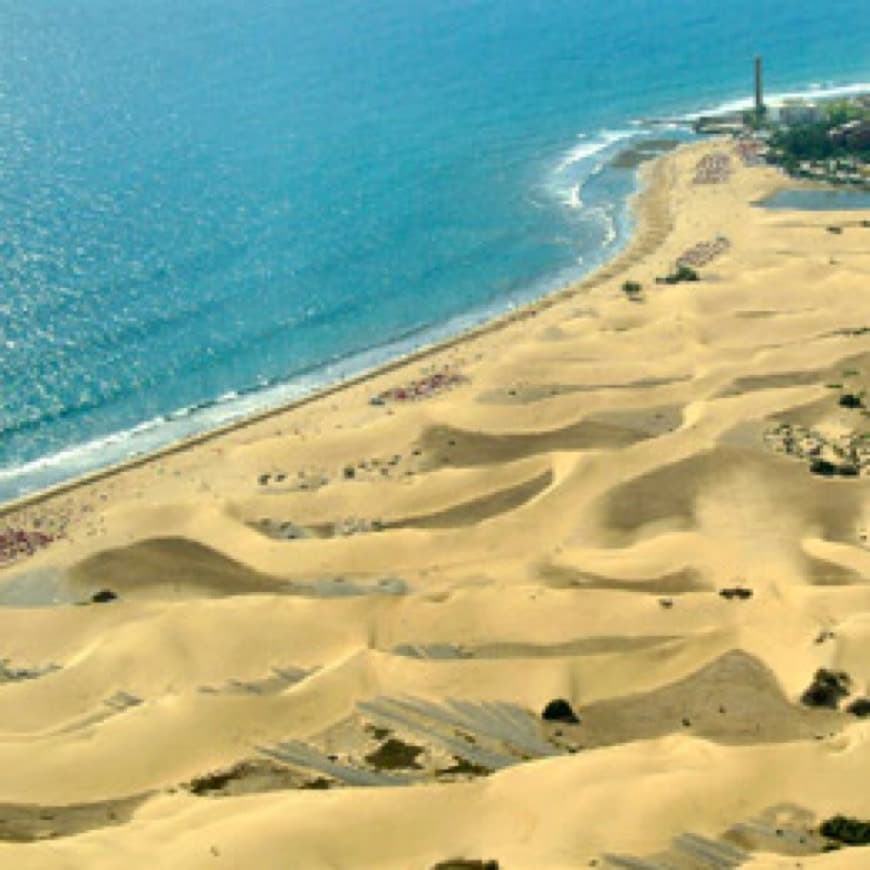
[326, 637]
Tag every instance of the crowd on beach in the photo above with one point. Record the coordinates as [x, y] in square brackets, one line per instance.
[703, 252]
[420, 389]
[713, 168]
[751, 152]
[17, 542]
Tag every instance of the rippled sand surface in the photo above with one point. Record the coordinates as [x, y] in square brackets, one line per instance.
[327, 638]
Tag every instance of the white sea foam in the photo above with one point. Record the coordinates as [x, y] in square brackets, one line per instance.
[605, 217]
[572, 173]
[78, 458]
[142, 438]
[573, 199]
[160, 432]
[585, 149]
[568, 179]
[815, 91]
[576, 166]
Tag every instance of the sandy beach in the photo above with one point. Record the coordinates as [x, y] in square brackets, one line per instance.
[327, 637]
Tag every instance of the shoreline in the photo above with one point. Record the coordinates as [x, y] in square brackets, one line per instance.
[634, 247]
[496, 320]
[629, 551]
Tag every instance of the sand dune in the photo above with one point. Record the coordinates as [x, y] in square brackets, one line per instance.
[326, 638]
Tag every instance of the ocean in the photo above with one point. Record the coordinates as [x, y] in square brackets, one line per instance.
[211, 208]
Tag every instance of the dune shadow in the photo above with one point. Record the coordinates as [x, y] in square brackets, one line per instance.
[584, 646]
[782, 829]
[479, 509]
[780, 380]
[735, 699]
[172, 565]
[445, 445]
[522, 394]
[675, 583]
[181, 568]
[750, 484]
[26, 823]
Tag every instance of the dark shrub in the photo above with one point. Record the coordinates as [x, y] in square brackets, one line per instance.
[859, 707]
[851, 832]
[826, 689]
[850, 400]
[104, 596]
[680, 274]
[559, 710]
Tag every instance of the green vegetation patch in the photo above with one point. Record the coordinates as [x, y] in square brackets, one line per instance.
[846, 831]
[394, 755]
[680, 274]
[466, 864]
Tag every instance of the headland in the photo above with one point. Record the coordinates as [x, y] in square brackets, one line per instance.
[824, 141]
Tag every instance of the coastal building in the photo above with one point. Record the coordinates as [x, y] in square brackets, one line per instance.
[794, 112]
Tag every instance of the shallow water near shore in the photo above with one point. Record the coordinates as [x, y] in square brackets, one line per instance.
[819, 200]
[210, 212]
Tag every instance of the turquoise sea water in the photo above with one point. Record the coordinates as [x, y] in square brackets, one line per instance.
[210, 207]
[819, 200]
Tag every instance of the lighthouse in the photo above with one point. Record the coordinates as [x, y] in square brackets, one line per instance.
[759, 88]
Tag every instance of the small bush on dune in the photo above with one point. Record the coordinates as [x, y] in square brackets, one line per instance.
[680, 274]
[683, 273]
[849, 832]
